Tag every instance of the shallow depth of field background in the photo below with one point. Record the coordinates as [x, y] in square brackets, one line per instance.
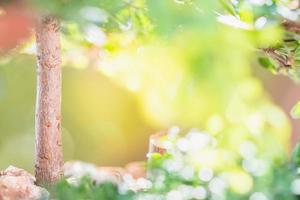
[118, 90]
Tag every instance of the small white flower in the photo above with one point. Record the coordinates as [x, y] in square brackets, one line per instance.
[143, 183]
[217, 186]
[199, 193]
[258, 196]
[174, 195]
[198, 140]
[94, 14]
[187, 173]
[173, 165]
[123, 188]
[185, 190]
[233, 21]
[287, 13]
[295, 187]
[95, 35]
[247, 149]
[206, 174]
[173, 132]
[183, 144]
[260, 22]
[258, 2]
[257, 167]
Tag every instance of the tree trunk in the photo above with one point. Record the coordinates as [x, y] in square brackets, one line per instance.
[49, 157]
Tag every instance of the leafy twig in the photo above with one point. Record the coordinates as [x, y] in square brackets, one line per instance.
[283, 60]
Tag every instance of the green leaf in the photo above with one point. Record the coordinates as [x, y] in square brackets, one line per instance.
[266, 63]
[297, 53]
[228, 6]
[295, 112]
[296, 155]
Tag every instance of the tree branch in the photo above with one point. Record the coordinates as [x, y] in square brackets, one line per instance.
[284, 61]
[291, 26]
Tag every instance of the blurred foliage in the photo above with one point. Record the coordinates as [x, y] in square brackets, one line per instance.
[86, 189]
[131, 67]
[185, 173]
[111, 15]
[187, 167]
[283, 55]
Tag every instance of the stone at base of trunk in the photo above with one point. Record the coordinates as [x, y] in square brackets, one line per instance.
[17, 184]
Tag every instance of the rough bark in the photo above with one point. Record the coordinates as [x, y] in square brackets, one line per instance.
[49, 157]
